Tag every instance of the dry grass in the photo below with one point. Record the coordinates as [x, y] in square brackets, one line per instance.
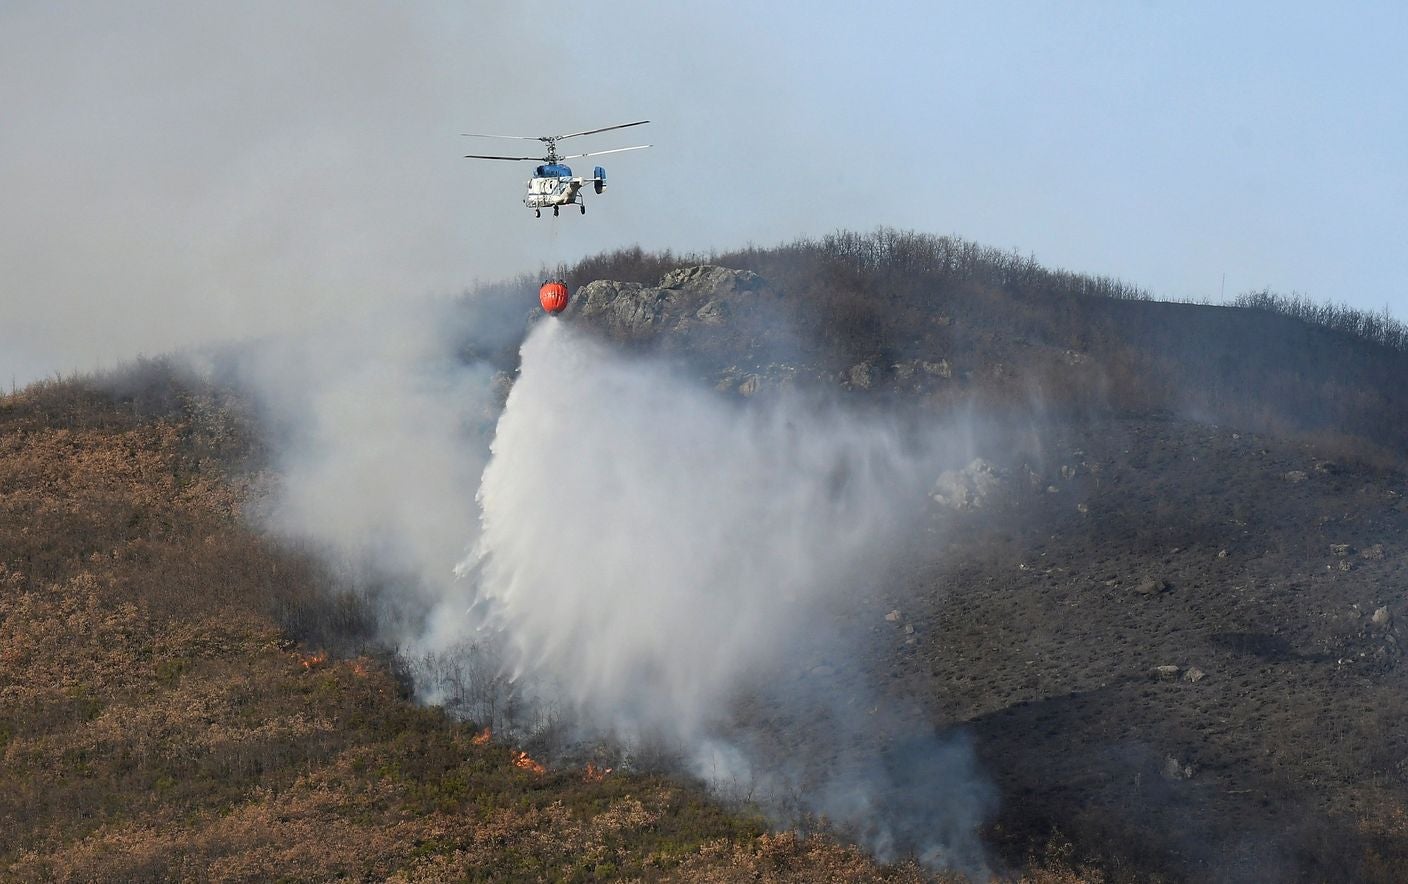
[156, 723]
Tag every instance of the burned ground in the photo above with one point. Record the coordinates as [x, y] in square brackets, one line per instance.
[1184, 650]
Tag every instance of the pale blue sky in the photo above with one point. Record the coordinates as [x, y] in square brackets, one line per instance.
[174, 172]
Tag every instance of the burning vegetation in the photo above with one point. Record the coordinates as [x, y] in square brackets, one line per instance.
[313, 660]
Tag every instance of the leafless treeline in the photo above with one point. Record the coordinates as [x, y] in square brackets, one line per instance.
[949, 259]
[1378, 328]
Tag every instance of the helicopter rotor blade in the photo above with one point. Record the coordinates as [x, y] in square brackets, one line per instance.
[597, 153]
[480, 156]
[602, 129]
[515, 137]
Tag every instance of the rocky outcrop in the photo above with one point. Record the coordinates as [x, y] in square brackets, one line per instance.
[704, 295]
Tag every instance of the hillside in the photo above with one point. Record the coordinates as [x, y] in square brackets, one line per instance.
[1158, 589]
[1010, 331]
[1174, 633]
[160, 720]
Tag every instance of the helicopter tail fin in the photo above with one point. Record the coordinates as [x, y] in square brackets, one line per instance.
[599, 178]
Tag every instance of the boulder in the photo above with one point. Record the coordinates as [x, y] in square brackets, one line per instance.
[968, 488]
[1152, 586]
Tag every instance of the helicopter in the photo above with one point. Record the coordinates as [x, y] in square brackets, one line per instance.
[553, 184]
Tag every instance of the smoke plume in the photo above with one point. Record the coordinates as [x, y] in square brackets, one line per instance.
[633, 561]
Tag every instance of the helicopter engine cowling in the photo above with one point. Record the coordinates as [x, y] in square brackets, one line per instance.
[599, 174]
[553, 296]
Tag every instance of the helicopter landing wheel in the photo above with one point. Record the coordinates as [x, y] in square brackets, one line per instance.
[537, 213]
[554, 211]
[584, 210]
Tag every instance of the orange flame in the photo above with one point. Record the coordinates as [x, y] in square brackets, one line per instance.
[521, 759]
[482, 738]
[359, 668]
[594, 774]
[310, 661]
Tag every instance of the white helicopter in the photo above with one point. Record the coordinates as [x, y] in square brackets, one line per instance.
[553, 185]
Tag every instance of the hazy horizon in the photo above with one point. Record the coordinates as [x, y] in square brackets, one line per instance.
[180, 173]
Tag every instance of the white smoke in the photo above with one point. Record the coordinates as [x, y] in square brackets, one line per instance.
[379, 433]
[640, 559]
[650, 544]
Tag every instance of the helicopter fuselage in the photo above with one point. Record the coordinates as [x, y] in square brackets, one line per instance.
[554, 185]
[553, 190]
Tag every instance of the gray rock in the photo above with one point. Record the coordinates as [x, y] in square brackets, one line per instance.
[1194, 674]
[940, 369]
[1167, 672]
[1340, 550]
[1152, 586]
[750, 385]
[625, 307]
[861, 376]
[893, 616]
[1381, 617]
[1295, 476]
[712, 313]
[689, 295]
[968, 488]
[712, 278]
[1174, 769]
